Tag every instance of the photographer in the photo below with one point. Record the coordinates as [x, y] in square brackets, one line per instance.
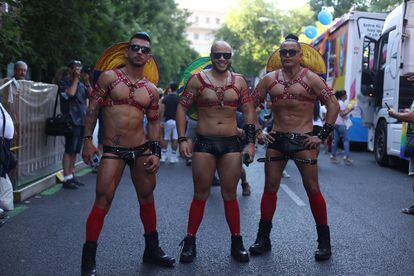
[73, 102]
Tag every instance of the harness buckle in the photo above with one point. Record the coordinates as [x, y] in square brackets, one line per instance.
[291, 136]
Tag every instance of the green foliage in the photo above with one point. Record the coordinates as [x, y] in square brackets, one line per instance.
[255, 29]
[341, 7]
[48, 34]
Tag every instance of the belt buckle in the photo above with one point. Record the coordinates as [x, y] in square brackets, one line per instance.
[291, 136]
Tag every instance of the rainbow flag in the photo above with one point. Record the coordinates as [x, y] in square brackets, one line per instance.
[407, 129]
[193, 68]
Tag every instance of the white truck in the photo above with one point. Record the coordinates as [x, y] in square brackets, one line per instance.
[340, 46]
[387, 62]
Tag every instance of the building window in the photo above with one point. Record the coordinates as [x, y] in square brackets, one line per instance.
[196, 36]
[217, 21]
[207, 20]
[196, 19]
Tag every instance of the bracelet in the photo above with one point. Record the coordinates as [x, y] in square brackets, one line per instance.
[250, 132]
[325, 131]
[182, 139]
[88, 137]
[155, 148]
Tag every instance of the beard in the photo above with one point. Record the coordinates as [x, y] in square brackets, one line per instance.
[221, 70]
[135, 63]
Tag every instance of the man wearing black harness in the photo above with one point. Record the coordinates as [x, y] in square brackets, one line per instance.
[217, 93]
[124, 95]
[293, 91]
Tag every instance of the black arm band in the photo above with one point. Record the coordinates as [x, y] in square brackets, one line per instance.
[250, 132]
[325, 131]
[182, 139]
[155, 147]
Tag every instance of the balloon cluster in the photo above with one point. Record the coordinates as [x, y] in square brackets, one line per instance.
[324, 17]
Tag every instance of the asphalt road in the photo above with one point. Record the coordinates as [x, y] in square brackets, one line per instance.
[370, 235]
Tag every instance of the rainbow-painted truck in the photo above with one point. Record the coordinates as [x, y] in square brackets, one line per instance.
[388, 62]
[341, 47]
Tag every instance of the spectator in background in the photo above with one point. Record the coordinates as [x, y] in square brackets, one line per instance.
[341, 131]
[6, 127]
[406, 116]
[169, 109]
[20, 70]
[73, 102]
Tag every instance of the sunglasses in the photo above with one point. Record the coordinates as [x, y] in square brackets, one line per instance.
[290, 52]
[135, 48]
[219, 55]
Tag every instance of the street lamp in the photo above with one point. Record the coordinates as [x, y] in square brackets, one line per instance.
[263, 19]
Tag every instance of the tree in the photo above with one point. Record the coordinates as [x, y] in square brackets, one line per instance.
[55, 32]
[255, 29]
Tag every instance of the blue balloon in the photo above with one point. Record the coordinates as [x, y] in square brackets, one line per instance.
[311, 32]
[325, 17]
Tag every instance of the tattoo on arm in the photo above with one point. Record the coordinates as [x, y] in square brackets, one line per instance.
[91, 117]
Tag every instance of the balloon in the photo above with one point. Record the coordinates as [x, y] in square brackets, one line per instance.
[311, 32]
[325, 17]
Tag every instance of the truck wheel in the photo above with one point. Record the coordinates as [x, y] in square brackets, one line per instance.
[380, 144]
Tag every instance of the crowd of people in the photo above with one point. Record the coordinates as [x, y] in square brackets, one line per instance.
[138, 121]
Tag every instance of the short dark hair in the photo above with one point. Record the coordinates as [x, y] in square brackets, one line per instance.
[174, 86]
[141, 35]
[292, 38]
[340, 93]
[74, 63]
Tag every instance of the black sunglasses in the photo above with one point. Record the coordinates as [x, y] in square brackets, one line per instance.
[136, 48]
[290, 52]
[219, 55]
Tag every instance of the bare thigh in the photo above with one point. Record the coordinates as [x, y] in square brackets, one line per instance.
[109, 175]
[309, 173]
[144, 182]
[273, 171]
[229, 168]
[203, 167]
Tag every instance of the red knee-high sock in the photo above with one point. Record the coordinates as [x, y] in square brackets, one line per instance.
[148, 217]
[318, 207]
[231, 209]
[268, 205]
[195, 216]
[95, 223]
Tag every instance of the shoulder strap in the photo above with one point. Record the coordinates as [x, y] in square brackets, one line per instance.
[4, 124]
[56, 100]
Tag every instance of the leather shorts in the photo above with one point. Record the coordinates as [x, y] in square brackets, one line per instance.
[288, 142]
[217, 146]
[129, 155]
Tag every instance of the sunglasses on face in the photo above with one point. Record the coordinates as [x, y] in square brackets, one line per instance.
[135, 48]
[286, 53]
[219, 55]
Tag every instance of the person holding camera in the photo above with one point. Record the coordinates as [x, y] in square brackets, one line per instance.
[73, 103]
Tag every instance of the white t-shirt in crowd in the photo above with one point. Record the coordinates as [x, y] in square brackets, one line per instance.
[9, 130]
[321, 118]
[341, 120]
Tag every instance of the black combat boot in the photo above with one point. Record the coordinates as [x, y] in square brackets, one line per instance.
[262, 243]
[153, 254]
[88, 259]
[323, 252]
[237, 249]
[188, 251]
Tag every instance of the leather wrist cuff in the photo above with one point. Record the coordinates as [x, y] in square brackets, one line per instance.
[155, 148]
[325, 131]
[88, 137]
[250, 132]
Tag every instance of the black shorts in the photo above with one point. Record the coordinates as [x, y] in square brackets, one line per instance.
[217, 146]
[73, 141]
[129, 155]
[288, 143]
